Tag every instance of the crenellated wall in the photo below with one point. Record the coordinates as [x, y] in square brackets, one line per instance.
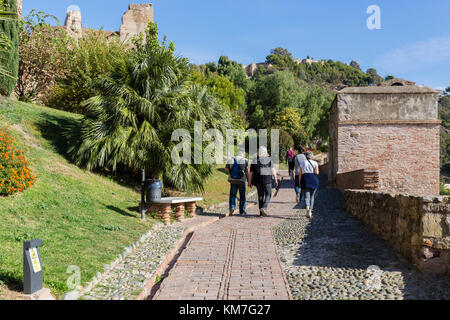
[416, 226]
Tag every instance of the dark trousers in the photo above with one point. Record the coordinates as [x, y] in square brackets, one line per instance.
[264, 195]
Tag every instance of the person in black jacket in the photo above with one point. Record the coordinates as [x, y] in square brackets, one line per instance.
[262, 173]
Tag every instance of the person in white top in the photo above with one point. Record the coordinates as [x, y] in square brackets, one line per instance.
[298, 161]
[310, 182]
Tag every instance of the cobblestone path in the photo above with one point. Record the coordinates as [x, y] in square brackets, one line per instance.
[324, 258]
[334, 256]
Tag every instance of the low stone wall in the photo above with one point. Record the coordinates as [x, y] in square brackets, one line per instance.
[364, 179]
[417, 227]
[324, 168]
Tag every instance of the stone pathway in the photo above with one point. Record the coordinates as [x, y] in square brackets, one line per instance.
[325, 258]
[233, 259]
[328, 257]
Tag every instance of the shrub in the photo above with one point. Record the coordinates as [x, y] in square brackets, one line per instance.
[15, 172]
[9, 56]
[91, 56]
[324, 149]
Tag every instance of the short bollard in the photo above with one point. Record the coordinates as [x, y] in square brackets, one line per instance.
[32, 267]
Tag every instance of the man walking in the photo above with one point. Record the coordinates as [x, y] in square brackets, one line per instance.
[262, 172]
[238, 173]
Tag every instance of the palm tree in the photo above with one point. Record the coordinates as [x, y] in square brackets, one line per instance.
[130, 120]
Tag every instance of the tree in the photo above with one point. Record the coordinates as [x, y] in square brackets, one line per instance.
[280, 58]
[226, 94]
[137, 107]
[289, 120]
[90, 56]
[389, 78]
[272, 94]
[42, 55]
[373, 77]
[9, 46]
[234, 72]
[355, 65]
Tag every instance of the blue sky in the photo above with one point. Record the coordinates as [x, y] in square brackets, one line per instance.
[413, 43]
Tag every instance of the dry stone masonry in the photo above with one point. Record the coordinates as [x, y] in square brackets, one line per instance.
[19, 8]
[416, 226]
[134, 21]
[73, 20]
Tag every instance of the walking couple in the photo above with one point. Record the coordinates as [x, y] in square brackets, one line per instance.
[306, 179]
[259, 174]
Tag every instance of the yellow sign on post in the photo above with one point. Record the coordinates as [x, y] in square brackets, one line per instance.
[35, 260]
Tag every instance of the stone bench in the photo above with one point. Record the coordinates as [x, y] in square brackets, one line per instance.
[164, 207]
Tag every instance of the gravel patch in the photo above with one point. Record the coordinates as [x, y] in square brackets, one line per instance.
[334, 256]
[127, 279]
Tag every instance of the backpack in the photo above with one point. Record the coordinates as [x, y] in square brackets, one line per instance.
[236, 170]
[258, 172]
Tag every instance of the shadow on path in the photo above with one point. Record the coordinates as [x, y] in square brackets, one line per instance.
[335, 250]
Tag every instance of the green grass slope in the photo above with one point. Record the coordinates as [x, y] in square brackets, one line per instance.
[84, 219]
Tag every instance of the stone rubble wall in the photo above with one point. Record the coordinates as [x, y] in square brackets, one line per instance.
[19, 8]
[135, 20]
[416, 226]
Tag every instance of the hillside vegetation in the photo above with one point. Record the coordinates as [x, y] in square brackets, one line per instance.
[83, 218]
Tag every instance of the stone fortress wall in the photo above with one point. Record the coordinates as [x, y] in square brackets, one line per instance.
[19, 8]
[134, 21]
[384, 156]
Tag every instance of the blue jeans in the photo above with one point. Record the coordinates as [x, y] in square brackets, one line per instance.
[242, 188]
[310, 196]
[298, 189]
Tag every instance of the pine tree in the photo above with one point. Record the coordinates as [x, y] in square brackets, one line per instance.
[9, 58]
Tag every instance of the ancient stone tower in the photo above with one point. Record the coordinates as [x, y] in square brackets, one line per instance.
[386, 138]
[73, 19]
[19, 8]
[135, 20]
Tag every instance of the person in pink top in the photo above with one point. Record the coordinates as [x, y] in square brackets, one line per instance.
[290, 156]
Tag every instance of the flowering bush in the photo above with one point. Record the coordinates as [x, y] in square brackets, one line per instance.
[15, 172]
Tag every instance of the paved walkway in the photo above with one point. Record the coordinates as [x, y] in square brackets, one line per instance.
[327, 257]
[233, 259]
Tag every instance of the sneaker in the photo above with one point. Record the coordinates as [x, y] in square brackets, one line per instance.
[231, 212]
[309, 214]
[297, 198]
[263, 213]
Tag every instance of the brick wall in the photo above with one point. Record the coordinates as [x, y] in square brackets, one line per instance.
[365, 179]
[406, 155]
[417, 227]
